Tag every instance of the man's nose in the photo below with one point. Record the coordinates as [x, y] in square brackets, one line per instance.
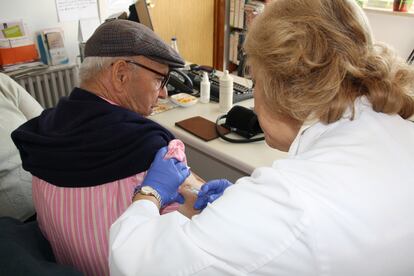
[163, 93]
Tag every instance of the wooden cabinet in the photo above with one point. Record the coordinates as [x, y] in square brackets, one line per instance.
[192, 22]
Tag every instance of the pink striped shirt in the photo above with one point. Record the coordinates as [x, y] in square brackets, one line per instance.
[76, 221]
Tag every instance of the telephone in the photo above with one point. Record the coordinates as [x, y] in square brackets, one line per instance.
[188, 81]
[179, 82]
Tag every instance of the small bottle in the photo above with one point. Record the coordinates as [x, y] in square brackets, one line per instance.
[205, 89]
[226, 92]
[174, 44]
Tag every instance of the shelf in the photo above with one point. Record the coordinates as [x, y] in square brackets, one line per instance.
[387, 11]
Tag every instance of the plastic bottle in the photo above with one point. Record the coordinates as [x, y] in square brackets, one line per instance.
[205, 89]
[226, 92]
[174, 44]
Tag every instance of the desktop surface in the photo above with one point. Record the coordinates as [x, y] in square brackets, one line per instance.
[242, 158]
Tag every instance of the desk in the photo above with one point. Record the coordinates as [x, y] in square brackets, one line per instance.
[217, 158]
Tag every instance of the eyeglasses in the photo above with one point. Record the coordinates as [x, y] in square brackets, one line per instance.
[165, 77]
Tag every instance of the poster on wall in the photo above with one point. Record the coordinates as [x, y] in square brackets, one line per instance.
[73, 10]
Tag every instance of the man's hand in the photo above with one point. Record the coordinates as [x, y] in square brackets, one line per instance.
[210, 191]
[165, 176]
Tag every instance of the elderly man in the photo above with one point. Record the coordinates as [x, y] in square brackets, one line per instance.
[88, 154]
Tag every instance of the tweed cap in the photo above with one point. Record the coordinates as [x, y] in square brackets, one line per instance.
[128, 38]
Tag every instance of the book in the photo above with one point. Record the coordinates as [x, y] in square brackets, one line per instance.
[51, 46]
[231, 17]
[56, 46]
[241, 14]
[42, 48]
[236, 13]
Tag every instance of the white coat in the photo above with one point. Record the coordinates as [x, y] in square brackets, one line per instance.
[341, 204]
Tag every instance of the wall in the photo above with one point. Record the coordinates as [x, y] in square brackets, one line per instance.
[393, 29]
[192, 22]
[41, 14]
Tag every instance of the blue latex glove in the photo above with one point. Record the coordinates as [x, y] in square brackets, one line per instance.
[210, 191]
[165, 176]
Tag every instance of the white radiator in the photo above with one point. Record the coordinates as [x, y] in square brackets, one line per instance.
[47, 87]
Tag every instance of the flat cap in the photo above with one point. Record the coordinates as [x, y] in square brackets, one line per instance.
[128, 38]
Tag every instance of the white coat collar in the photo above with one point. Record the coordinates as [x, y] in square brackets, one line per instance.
[311, 130]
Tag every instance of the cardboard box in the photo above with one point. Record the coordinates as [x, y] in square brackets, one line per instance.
[18, 54]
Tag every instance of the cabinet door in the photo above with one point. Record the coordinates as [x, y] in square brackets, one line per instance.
[191, 22]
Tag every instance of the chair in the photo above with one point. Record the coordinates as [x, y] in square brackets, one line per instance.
[24, 251]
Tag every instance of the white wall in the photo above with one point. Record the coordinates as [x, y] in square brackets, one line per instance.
[395, 30]
[41, 14]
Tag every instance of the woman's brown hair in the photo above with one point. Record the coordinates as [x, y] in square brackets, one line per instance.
[316, 57]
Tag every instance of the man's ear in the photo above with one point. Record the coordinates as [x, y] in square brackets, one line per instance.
[120, 75]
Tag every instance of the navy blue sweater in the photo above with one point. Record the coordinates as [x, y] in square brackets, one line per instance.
[85, 141]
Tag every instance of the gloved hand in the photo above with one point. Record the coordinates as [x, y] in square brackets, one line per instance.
[165, 176]
[210, 191]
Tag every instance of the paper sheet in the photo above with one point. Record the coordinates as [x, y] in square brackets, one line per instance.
[115, 6]
[70, 10]
[86, 28]
[12, 29]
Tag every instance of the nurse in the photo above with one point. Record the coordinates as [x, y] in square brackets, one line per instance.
[341, 203]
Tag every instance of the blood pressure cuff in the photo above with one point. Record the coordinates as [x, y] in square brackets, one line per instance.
[243, 121]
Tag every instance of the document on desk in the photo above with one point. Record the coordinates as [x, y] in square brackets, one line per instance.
[163, 105]
[201, 127]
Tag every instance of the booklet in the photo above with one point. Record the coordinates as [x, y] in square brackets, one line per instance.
[52, 46]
